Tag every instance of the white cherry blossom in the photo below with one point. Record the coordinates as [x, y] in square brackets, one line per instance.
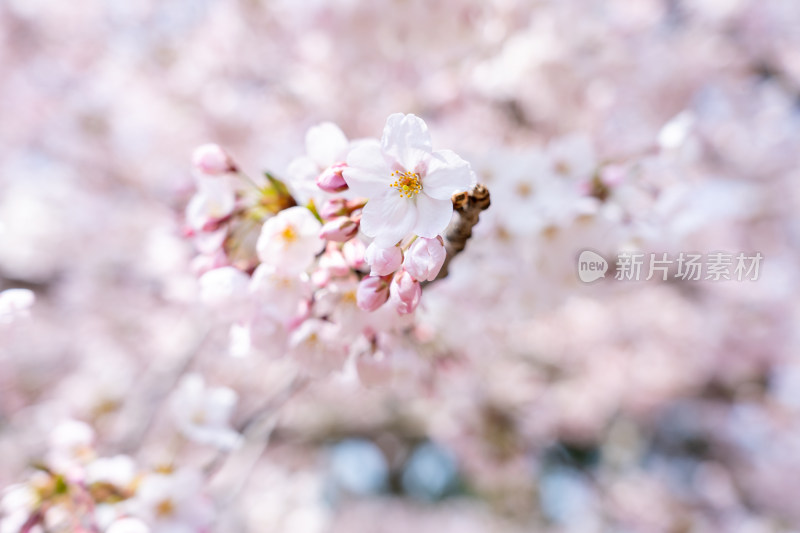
[408, 184]
[173, 503]
[290, 240]
[326, 145]
[202, 413]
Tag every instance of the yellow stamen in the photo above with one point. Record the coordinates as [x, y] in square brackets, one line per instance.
[289, 234]
[349, 297]
[165, 508]
[407, 183]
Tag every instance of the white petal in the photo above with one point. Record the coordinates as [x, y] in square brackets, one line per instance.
[388, 219]
[367, 173]
[406, 139]
[326, 144]
[433, 216]
[301, 170]
[447, 174]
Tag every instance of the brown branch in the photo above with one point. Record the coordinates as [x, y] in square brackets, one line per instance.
[468, 206]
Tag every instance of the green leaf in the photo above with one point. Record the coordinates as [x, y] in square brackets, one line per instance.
[313, 208]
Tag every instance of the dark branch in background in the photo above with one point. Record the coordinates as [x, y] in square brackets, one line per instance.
[468, 206]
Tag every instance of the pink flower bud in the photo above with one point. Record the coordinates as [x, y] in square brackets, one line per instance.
[331, 179]
[353, 252]
[212, 159]
[424, 259]
[335, 207]
[372, 292]
[407, 291]
[333, 261]
[383, 261]
[339, 229]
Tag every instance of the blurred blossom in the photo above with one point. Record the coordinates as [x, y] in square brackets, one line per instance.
[172, 502]
[290, 240]
[202, 413]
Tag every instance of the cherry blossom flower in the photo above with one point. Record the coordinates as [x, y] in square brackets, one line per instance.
[290, 240]
[316, 346]
[281, 295]
[202, 413]
[224, 288]
[71, 445]
[407, 184]
[173, 503]
[321, 167]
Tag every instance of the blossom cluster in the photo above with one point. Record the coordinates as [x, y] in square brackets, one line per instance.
[76, 489]
[356, 229]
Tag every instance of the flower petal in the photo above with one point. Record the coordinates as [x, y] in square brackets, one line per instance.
[406, 139]
[447, 175]
[388, 219]
[367, 173]
[433, 215]
[326, 144]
